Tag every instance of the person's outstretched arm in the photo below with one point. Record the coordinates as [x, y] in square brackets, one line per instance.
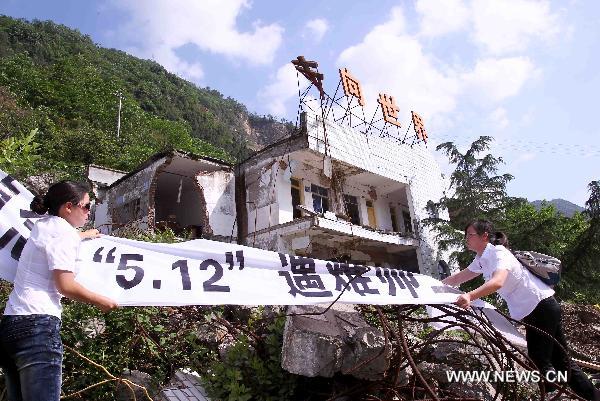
[67, 286]
[460, 277]
[491, 286]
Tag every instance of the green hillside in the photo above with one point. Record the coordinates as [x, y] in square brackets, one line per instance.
[563, 206]
[56, 80]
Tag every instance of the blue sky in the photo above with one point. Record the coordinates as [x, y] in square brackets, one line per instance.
[523, 72]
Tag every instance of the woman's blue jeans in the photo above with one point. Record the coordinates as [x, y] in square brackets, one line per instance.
[31, 357]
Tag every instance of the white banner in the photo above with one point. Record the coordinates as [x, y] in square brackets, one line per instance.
[16, 221]
[202, 272]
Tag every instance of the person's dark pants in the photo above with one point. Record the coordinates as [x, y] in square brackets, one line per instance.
[547, 355]
[31, 357]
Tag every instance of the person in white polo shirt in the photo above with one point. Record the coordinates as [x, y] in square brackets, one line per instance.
[528, 300]
[30, 345]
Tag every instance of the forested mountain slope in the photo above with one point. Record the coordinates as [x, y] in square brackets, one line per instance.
[57, 80]
[563, 206]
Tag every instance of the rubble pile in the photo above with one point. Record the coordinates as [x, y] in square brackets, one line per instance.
[582, 329]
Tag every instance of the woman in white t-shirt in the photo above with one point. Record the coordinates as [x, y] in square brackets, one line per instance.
[30, 344]
[528, 299]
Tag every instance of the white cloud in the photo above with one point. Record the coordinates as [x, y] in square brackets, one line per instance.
[515, 161]
[497, 79]
[157, 29]
[390, 61]
[442, 17]
[528, 117]
[317, 28]
[282, 89]
[525, 157]
[499, 118]
[508, 26]
[168, 59]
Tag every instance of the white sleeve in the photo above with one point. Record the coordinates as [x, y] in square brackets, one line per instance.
[61, 251]
[475, 266]
[495, 260]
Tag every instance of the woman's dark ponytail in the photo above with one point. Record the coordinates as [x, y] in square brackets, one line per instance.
[500, 239]
[38, 205]
[58, 194]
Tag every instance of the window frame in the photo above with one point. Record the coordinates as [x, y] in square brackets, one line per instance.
[296, 213]
[354, 219]
[321, 193]
[372, 224]
[408, 228]
[394, 218]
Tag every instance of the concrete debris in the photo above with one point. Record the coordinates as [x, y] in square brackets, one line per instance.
[454, 354]
[94, 327]
[183, 386]
[225, 345]
[39, 184]
[338, 340]
[434, 371]
[482, 391]
[123, 392]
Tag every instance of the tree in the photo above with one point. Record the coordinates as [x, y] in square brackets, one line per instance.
[544, 230]
[581, 266]
[475, 192]
[592, 205]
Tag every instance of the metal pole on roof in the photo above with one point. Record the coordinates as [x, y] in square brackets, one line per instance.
[119, 95]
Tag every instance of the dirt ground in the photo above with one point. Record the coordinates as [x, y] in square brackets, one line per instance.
[582, 329]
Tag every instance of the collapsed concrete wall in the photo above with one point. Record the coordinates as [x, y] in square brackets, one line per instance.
[322, 343]
[218, 188]
[193, 196]
[131, 199]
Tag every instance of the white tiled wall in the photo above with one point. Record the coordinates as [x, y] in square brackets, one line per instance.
[414, 166]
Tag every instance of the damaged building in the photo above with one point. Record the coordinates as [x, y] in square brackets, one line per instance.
[334, 194]
[328, 192]
[193, 196]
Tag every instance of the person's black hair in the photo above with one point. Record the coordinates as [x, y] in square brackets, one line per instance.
[500, 239]
[486, 226]
[57, 195]
[481, 227]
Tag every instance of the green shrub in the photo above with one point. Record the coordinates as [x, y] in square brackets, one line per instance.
[20, 155]
[252, 372]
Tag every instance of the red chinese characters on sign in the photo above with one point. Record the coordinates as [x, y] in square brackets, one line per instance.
[419, 126]
[389, 109]
[351, 86]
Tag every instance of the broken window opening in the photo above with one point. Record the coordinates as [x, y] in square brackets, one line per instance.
[407, 222]
[128, 212]
[351, 203]
[320, 197]
[394, 219]
[296, 197]
[179, 205]
[371, 214]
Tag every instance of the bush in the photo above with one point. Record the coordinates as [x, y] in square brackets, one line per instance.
[19, 156]
[153, 340]
[252, 371]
